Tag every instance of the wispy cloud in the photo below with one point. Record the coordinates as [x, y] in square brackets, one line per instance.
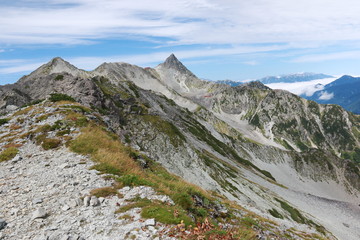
[185, 22]
[326, 96]
[20, 68]
[251, 63]
[328, 56]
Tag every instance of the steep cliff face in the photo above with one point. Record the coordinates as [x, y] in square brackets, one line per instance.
[250, 143]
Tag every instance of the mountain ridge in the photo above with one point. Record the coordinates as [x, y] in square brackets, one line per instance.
[343, 91]
[202, 130]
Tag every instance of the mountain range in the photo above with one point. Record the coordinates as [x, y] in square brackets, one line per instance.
[344, 91]
[287, 159]
[290, 78]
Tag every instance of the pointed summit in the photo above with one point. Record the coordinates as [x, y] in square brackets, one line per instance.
[58, 65]
[173, 63]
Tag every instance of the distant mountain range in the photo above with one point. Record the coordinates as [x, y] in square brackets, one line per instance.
[290, 78]
[344, 91]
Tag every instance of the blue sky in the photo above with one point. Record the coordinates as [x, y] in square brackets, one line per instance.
[216, 39]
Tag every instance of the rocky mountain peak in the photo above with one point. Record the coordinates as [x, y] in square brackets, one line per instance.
[55, 65]
[256, 84]
[58, 64]
[173, 63]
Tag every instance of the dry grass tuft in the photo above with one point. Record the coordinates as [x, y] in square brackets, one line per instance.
[8, 154]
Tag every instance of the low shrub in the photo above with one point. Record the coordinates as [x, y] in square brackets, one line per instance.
[104, 192]
[166, 214]
[4, 121]
[56, 97]
[50, 143]
[8, 154]
[275, 213]
[59, 77]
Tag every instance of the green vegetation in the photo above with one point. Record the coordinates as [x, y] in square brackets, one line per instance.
[165, 214]
[79, 108]
[24, 111]
[286, 144]
[133, 88]
[104, 192]
[4, 121]
[59, 77]
[302, 146]
[352, 155]
[50, 143]
[56, 97]
[294, 213]
[63, 132]
[176, 137]
[114, 158]
[275, 213]
[335, 125]
[136, 203]
[204, 135]
[255, 120]
[8, 154]
[33, 103]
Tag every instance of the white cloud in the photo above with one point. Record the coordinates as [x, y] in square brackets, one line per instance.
[154, 58]
[328, 56]
[251, 63]
[326, 96]
[184, 21]
[20, 68]
[303, 88]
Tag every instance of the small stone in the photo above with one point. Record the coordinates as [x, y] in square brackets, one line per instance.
[101, 199]
[16, 159]
[65, 207]
[2, 223]
[86, 201]
[39, 213]
[94, 201]
[11, 108]
[65, 165]
[150, 222]
[37, 200]
[78, 202]
[14, 211]
[72, 203]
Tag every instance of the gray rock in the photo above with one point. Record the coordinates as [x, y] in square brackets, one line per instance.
[94, 201]
[150, 222]
[39, 213]
[37, 200]
[2, 223]
[11, 108]
[16, 159]
[86, 201]
[72, 203]
[65, 207]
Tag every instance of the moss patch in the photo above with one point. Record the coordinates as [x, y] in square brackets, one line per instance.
[50, 143]
[56, 97]
[8, 154]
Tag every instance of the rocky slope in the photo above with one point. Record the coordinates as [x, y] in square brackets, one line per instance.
[252, 144]
[51, 192]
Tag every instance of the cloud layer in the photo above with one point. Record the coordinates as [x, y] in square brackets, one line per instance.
[181, 21]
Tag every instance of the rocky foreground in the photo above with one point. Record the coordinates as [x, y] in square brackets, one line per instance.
[47, 195]
[49, 192]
